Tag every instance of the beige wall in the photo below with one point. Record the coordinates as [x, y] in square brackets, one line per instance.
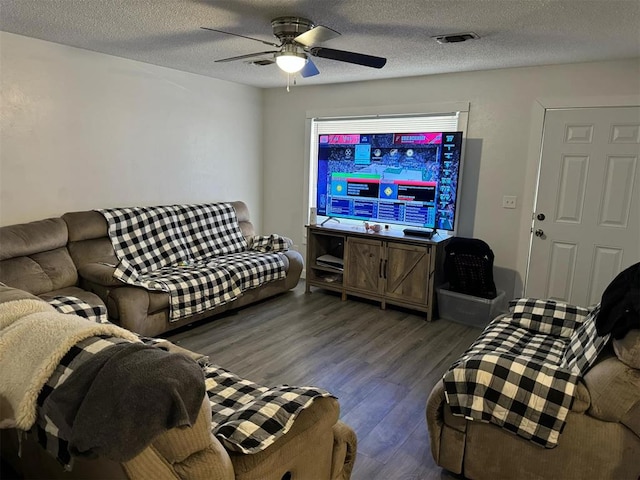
[81, 130]
[502, 151]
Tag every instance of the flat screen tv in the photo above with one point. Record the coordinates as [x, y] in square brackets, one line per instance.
[408, 179]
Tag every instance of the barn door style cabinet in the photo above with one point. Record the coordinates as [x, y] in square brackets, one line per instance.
[388, 267]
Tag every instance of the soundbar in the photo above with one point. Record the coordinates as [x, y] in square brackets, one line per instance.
[418, 233]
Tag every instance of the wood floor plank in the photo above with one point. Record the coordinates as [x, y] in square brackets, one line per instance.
[381, 364]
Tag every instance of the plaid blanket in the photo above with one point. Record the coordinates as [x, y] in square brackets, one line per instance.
[196, 253]
[246, 417]
[521, 373]
[269, 243]
[76, 306]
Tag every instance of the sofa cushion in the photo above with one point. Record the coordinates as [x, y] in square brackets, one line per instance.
[210, 230]
[92, 251]
[40, 272]
[250, 269]
[628, 348]
[24, 274]
[146, 238]
[75, 306]
[84, 295]
[28, 238]
[85, 225]
[99, 273]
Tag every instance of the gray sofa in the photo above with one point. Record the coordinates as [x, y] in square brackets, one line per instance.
[601, 438]
[317, 446]
[70, 256]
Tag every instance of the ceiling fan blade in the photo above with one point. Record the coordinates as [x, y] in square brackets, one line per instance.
[249, 55]
[309, 69]
[316, 35]
[349, 57]
[271, 44]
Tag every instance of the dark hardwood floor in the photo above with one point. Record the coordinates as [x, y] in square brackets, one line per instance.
[381, 364]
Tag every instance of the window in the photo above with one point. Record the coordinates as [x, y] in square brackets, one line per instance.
[398, 123]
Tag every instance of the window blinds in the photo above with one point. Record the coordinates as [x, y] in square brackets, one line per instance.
[386, 124]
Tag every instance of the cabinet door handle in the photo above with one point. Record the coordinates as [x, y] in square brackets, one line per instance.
[384, 270]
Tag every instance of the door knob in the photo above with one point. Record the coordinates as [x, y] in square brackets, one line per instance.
[539, 233]
[541, 216]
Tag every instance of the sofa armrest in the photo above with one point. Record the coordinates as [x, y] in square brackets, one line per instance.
[615, 393]
[447, 433]
[197, 357]
[435, 418]
[306, 450]
[184, 452]
[100, 273]
[296, 263]
[345, 445]
[130, 306]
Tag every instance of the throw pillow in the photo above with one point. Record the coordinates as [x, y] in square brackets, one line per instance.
[270, 243]
[547, 316]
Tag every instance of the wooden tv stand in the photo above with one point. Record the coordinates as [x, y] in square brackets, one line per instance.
[387, 266]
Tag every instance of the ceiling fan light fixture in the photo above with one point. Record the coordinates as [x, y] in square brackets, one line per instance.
[291, 62]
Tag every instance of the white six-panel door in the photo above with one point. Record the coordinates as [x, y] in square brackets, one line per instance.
[586, 225]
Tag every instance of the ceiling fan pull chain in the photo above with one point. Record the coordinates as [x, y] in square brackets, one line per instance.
[288, 82]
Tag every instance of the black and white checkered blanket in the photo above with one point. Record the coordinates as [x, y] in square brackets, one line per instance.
[196, 253]
[521, 373]
[270, 243]
[76, 306]
[246, 417]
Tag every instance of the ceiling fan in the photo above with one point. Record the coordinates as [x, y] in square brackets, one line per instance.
[298, 39]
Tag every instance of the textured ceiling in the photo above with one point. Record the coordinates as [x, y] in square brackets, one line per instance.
[166, 32]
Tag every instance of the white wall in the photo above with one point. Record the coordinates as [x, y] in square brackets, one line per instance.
[502, 149]
[82, 130]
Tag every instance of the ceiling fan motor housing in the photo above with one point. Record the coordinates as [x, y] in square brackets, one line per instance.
[300, 37]
[287, 28]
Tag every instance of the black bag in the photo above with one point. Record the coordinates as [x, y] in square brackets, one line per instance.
[468, 267]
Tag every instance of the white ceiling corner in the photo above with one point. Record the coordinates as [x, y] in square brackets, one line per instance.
[513, 33]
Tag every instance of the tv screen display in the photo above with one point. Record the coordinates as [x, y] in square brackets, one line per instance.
[390, 178]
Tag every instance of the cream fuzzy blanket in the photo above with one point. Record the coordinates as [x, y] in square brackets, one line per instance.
[33, 340]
